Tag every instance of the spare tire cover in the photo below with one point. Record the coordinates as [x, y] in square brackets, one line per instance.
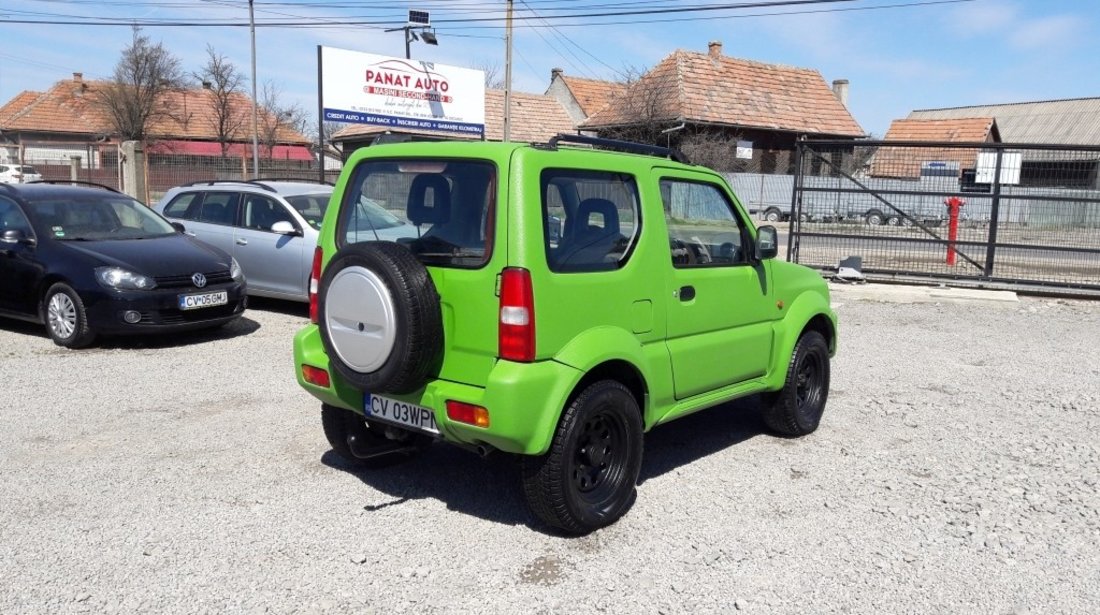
[380, 318]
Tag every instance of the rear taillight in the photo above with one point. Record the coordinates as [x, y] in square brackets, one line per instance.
[517, 316]
[316, 376]
[314, 284]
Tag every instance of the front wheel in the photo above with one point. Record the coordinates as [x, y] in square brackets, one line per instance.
[773, 215]
[66, 319]
[796, 409]
[586, 481]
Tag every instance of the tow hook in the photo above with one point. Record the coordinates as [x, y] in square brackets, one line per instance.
[365, 451]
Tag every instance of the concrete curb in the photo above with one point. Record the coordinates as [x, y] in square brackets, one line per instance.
[896, 293]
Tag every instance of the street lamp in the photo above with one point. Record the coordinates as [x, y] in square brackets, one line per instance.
[418, 20]
[255, 108]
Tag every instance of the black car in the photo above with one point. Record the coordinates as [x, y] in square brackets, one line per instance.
[90, 260]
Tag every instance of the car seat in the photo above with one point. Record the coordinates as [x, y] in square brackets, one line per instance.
[587, 244]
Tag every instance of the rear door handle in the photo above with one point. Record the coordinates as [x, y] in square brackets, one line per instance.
[687, 293]
[242, 242]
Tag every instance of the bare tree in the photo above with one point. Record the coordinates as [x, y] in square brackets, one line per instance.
[278, 117]
[642, 112]
[138, 96]
[223, 81]
[493, 79]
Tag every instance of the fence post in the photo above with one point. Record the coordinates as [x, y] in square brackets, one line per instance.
[994, 215]
[74, 168]
[792, 247]
[133, 169]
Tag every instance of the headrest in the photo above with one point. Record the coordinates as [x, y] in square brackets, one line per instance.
[424, 210]
[605, 208]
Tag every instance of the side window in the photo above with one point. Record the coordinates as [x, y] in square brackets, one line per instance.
[12, 218]
[702, 226]
[184, 206]
[219, 208]
[261, 212]
[591, 219]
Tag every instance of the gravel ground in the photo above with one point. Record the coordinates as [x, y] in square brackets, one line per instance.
[955, 471]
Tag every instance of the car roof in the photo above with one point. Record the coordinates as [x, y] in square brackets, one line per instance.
[35, 191]
[273, 186]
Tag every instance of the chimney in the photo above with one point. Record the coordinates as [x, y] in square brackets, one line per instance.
[555, 73]
[714, 48]
[78, 77]
[840, 90]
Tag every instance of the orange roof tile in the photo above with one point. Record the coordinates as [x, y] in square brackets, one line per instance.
[906, 161]
[71, 107]
[717, 89]
[534, 118]
[592, 94]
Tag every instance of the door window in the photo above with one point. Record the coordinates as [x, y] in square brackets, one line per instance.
[184, 206]
[12, 219]
[703, 228]
[260, 212]
[219, 208]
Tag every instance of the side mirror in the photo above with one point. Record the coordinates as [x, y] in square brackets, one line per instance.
[767, 243]
[285, 228]
[14, 235]
[178, 226]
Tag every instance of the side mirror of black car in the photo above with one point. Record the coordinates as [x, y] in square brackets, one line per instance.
[767, 243]
[14, 235]
[178, 226]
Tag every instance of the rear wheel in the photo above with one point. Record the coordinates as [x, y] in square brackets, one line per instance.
[773, 215]
[66, 319]
[796, 409]
[875, 218]
[586, 481]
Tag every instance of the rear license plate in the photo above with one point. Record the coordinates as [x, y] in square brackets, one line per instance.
[400, 413]
[194, 302]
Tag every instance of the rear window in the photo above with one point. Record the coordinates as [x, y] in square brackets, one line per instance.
[441, 210]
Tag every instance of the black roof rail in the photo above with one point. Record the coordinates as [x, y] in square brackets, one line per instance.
[625, 146]
[214, 182]
[304, 180]
[74, 182]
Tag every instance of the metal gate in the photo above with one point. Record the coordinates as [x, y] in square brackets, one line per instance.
[1027, 215]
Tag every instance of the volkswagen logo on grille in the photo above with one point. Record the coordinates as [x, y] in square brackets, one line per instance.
[199, 280]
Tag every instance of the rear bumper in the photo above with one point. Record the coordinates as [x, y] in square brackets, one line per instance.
[523, 399]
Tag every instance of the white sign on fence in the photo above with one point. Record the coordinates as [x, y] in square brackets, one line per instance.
[401, 94]
[987, 168]
[744, 150]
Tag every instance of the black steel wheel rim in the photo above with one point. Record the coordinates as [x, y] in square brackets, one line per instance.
[809, 383]
[599, 459]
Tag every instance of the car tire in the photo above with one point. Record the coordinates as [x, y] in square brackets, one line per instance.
[383, 284]
[893, 221]
[587, 479]
[339, 423]
[773, 215]
[874, 218]
[796, 409]
[65, 317]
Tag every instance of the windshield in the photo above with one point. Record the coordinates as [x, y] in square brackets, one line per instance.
[311, 206]
[441, 210]
[96, 217]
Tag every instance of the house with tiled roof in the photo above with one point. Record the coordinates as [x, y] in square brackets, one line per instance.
[582, 98]
[535, 118]
[67, 120]
[765, 107]
[908, 162]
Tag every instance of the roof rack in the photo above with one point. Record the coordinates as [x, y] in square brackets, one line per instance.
[625, 146]
[74, 182]
[304, 180]
[214, 182]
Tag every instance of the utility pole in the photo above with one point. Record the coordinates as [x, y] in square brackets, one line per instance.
[255, 107]
[508, 76]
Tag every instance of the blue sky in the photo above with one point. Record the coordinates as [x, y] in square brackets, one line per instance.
[897, 59]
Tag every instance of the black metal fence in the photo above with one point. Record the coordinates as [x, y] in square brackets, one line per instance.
[1028, 215]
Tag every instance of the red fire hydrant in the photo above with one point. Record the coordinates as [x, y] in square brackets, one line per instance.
[953, 203]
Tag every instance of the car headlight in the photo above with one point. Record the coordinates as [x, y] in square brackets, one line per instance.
[121, 279]
[235, 269]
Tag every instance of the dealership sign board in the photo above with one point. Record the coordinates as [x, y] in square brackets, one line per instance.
[401, 94]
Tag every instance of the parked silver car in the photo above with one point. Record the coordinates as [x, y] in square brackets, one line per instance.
[269, 226]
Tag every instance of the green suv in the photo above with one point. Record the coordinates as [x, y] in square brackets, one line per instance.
[554, 302]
